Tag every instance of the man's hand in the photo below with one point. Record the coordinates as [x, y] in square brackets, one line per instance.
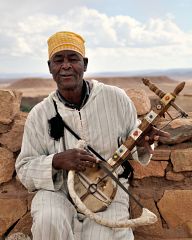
[74, 159]
[153, 135]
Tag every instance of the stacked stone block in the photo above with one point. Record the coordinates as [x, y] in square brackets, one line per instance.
[14, 199]
[165, 185]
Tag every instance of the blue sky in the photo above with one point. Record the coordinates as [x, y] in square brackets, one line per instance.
[142, 10]
[121, 35]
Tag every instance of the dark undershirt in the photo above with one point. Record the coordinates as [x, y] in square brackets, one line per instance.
[84, 97]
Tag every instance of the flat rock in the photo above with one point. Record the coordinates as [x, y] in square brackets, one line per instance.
[140, 99]
[161, 153]
[9, 104]
[184, 145]
[16, 133]
[181, 160]
[11, 210]
[154, 168]
[172, 176]
[179, 129]
[4, 128]
[175, 207]
[7, 165]
[23, 225]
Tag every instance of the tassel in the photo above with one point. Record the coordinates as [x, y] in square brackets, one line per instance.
[56, 127]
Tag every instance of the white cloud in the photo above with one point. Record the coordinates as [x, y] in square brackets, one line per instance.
[113, 42]
[37, 24]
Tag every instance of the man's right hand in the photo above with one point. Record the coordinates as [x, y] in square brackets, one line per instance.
[74, 159]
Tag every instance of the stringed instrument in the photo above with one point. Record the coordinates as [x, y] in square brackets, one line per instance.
[94, 189]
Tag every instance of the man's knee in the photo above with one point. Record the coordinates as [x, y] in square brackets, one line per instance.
[51, 225]
[52, 217]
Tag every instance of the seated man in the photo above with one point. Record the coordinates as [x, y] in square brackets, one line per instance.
[99, 114]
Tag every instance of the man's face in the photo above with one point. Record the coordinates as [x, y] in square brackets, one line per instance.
[67, 68]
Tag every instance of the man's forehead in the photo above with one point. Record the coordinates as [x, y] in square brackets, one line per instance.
[66, 53]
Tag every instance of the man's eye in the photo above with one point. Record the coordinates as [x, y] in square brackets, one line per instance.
[58, 60]
[73, 59]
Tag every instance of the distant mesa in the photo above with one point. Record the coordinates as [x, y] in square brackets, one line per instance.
[33, 83]
[123, 82]
[135, 79]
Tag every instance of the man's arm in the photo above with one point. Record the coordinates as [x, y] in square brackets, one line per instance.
[34, 163]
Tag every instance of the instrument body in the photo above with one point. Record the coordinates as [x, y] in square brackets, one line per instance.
[97, 196]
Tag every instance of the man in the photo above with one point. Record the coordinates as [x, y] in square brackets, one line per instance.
[100, 115]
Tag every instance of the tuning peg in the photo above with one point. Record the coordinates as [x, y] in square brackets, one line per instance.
[179, 88]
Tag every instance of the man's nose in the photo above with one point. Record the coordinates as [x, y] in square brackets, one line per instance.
[66, 64]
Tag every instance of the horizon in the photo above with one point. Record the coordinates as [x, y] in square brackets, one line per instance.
[177, 73]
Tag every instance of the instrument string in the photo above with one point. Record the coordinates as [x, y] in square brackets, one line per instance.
[172, 119]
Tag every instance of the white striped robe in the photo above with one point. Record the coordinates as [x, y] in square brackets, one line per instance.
[107, 115]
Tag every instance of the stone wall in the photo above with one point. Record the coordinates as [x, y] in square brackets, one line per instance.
[14, 199]
[164, 186]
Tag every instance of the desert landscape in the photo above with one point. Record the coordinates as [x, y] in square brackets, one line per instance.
[35, 89]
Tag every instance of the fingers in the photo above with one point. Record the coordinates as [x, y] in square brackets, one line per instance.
[152, 136]
[82, 165]
[164, 136]
[85, 160]
[151, 139]
[160, 133]
[87, 164]
[155, 135]
[87, 156]
[79, 168]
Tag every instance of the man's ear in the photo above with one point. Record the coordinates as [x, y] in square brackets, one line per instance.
[85, 64]
[48, 62]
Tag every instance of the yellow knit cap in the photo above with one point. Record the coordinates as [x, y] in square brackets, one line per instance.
[65, 41]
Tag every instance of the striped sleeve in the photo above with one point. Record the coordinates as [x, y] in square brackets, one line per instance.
[34, 164]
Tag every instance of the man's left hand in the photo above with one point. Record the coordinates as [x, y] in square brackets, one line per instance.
[153, 135]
